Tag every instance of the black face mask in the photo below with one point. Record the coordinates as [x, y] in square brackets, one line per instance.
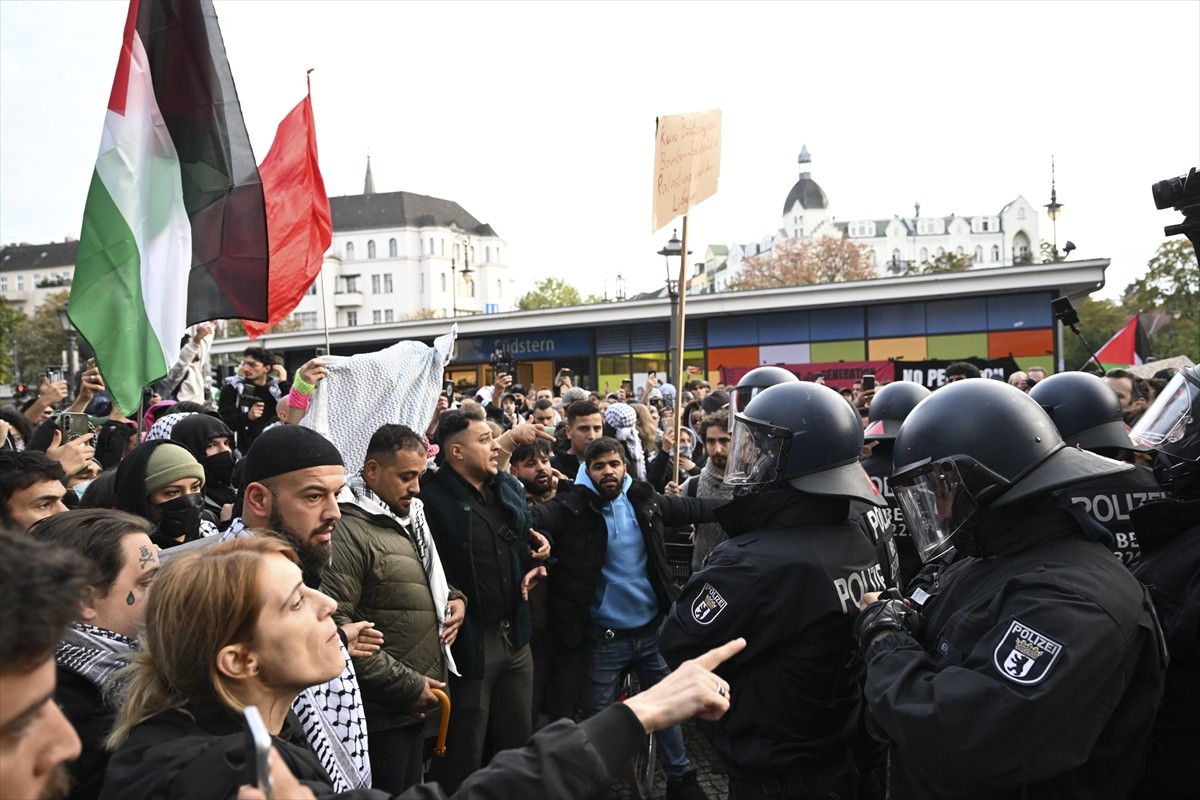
[218, 468]
[181, 516]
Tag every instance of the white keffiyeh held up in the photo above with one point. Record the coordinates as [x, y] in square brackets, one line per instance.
[361, 393]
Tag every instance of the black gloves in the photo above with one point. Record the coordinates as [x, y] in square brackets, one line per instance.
[885, 615]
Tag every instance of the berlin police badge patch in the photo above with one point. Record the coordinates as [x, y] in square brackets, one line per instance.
[708, 605]
[1024, 655]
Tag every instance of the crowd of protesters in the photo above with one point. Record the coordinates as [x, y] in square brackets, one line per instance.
[872, 590]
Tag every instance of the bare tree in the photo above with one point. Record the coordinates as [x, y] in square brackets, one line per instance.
[825, 259]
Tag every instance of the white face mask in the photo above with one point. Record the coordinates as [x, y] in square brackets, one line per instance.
[80, 488]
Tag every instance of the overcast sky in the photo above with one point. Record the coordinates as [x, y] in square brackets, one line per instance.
[539, 117]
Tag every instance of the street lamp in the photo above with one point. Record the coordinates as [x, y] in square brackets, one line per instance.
[72, 353]
[1054, 211]
[465, 241]
[672, 254]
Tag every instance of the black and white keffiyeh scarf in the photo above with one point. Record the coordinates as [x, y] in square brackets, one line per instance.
[331, 715]
[94, 653]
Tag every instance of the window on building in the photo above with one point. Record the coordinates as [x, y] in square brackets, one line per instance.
[387, 283]
[443, 241]
[374, 284]
[3, 283]
[1020, 213]
[498, 259]
[37, 278]
[487, 254]
[312, 289]
[862, 229]
[387, 315]
[941, 251]
[351, 283]
[306, 319]
[393, 248]
[958, 251]
[1023, 253]
[472, 287]
[351, 319]
[499, 287]
[896, 256]
[370, 248]
[931, 226]
[995, 252]
[456, 252]
[376, 317]
[978, 255]
[443, 281]
[20, 283]
[349, 251]
[924, 256]
[874, 259]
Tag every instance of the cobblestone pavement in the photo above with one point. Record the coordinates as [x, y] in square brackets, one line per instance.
[715, 785]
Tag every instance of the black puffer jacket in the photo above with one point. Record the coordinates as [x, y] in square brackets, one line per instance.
[576, 520]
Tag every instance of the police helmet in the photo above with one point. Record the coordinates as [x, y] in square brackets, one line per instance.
[1171, 425]
[1086, 411]
[805, 434]
[889, 407]
[755, 381]
[979, 444]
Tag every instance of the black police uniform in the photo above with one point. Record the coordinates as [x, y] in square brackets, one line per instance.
[790, 581]
[1109, 500]
[1170, 568]
[1037, 672]
[879, 467]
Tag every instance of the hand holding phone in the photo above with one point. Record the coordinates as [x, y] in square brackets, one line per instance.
[868, 381]
[258, 752]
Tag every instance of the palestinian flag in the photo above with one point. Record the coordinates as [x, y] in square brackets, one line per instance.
[1128, 347]
[174, 231]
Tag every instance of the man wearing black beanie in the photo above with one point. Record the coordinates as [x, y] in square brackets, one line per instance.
[291, 480]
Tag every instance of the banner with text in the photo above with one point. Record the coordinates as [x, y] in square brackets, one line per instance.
[837, 374]
[932, 374]
[687, 163]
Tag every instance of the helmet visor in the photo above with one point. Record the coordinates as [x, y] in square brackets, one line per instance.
[1172, 424]
[936, 504]
[755, 453]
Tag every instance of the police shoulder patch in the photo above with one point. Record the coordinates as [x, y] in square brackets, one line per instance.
[708, 605]
[1025, 656]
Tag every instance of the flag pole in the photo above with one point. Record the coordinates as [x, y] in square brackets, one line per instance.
[324, 309]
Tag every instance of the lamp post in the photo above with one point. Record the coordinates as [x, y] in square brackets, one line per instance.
[72, 353]
[672, 254]
[1053, 210]
[465, 241]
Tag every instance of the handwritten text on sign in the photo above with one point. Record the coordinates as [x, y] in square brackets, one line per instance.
[687, 163]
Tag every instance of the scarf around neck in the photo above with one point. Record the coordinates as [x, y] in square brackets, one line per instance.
[94, 653]
[418, 531]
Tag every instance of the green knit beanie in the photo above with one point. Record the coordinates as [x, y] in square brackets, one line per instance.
[169, 463]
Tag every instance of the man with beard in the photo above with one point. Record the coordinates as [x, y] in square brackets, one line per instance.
[40, 588]
[386, 568]
[291, 482]
[1035, 665]
[478, 518]
[555, 672]
[714, 431]
[612, 584]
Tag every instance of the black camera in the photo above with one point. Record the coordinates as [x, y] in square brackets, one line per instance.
[1177, 193]
[1064, 312]
[1182, 194]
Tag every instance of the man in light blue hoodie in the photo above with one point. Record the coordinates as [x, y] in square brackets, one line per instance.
[612, 584]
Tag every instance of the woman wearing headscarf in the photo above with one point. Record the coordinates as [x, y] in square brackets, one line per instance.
[162, 482]
[210, 441]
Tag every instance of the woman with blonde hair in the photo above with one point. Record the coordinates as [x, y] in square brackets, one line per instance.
[233, 625]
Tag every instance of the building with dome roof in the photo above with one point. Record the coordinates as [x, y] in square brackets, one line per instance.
[1006, 237]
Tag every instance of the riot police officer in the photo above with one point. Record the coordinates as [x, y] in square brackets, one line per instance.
[889, 408]
[789, 579]
[1036, 666]
[1169, 531]
[1087, 413]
